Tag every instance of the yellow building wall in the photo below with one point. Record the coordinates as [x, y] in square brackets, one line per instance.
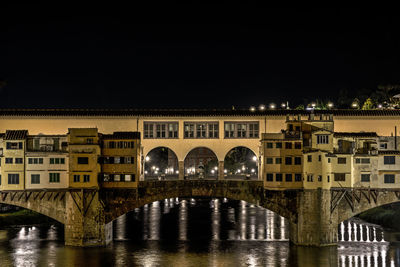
[13, 168]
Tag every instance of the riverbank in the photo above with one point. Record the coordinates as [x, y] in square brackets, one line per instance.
[22, 217]
[387, 216]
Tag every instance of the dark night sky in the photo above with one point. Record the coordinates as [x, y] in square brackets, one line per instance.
[59, 60]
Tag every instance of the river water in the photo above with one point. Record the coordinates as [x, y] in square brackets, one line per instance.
[200, 232]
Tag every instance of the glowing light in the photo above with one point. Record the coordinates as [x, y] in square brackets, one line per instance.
[154, 167]
[147, 158]
[330, 105]
[254, 158]
[243, 168]
[212, 171]
[215, 168]
[262, 107]
[313, 104]
[379, 105]
[252, 109]
[225, 171]
[145, 172]
[177, 172]
[253, 170]
[272, 106]
[283, 105]
[238, 171]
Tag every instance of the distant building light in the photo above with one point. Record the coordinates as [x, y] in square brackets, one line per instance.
[313, 104]
[380, 106]
[283, 105]
[252, 109]
[354, 104]
[330, 105]
[225, 171]
[272, 106]
[261, 107]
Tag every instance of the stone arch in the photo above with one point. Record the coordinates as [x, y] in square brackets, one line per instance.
[249, 167]
[368, 199]
[169, 171]
[201, 162]
[280, 202]
[55, 208]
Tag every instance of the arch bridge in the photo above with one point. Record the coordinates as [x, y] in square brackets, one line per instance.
[87, 214]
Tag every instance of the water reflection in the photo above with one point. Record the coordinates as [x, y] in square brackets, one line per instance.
[200, 232]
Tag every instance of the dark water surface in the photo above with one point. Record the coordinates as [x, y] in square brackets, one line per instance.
[201, 232]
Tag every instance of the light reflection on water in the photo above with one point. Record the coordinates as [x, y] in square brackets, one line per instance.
[198, 232]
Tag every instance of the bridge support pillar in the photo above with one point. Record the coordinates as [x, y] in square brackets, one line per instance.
[315, 226]
[181, 166]
[85, 221]
[221, 170]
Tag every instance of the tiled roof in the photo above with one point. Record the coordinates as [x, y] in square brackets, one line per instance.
[190, 112]
[15, 134]
[355, 134]
[122, 135]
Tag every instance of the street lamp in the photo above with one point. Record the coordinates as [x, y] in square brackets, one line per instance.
[254, 158]
[330, 105]
[262, 107]
[354, 105]
[147, 158]
[252, 108]
[283, 105]
[272, 106]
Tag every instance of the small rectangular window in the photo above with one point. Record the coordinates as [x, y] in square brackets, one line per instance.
[278, 145]
[18, 160]
[9, 160]
[288, 160]
[54, 177]
[278, 177]
[77, 178]
[389, 178]
[309, 158]
[297, 177]
[297, 161]
[269, 145]
[83, 160]
[319, 178]
[86, 178]
[365, 177]
[13, 178]
[288, 177]
[269, 161]
[278, 160]
[270, 177]
[341, 160]
[52, 160]
[319, 157]
[309, 177]
[365, 161]
[322, 139]
[35, 178]
[30, 160]
[340, 177]
[288, 145]
[297, 145]
[389, 160]
[40, 160]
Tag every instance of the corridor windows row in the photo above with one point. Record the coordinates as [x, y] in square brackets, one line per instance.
[160, 129]
[241, 129]
[289, 177]
[53, 178]
[14, 145]
[288, 145]
[77, 178]
[117, 160]
[288, 160]
[201, 130]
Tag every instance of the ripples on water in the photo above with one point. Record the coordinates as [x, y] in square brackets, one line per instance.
[201, 232]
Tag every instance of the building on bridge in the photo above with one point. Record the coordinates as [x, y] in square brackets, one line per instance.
[120, 159]
[310, 155]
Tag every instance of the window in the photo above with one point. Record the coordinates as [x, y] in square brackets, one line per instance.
[62, 160]
[9, 160]
[117, 160]
[269, 161]
[241, 130]
[117, 178]
[319, 178]
[89, 140]
[128, 177]
[51, 160]
[309, 177]
[319, 157]
[340, 177]
[270, 177]
[18, 160]
[341, 160]
[35, 178]
[297, 145]
[383, 145]
[288, 177]
[30, 160]
[86, 178]
[213, 130]
[278, 145]
[160, 129]
[35, 160]
[253, 130]
[54, 177]
[389, 160]
[77, 178]
[201, 130]
[365, 177]
[389, 178]
[189, 130]
[322, 139]
[269, 145]
[329, 160]
[14, 145]
[297, 161]
[81, 160]
[129, 160]
[279, 177]
[297, 177]
[288, 145]
[278, 160]
[309, 158]
[288, 160]
[328, 178]
[0, 179]
[148, 131]
[365, 160]
[13, 178]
